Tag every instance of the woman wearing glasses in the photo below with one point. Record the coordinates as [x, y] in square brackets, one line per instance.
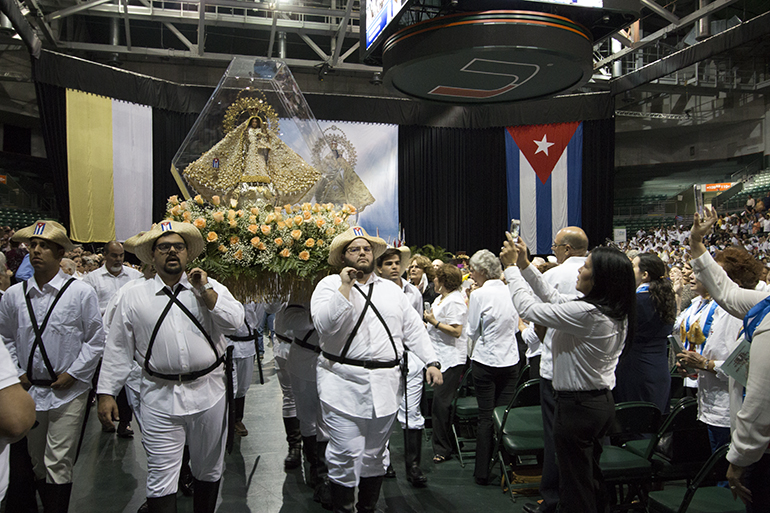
[589, 335]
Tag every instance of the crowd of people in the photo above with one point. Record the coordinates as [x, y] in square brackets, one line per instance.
[172, 348]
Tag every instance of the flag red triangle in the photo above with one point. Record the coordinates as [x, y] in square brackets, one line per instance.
[543, 145]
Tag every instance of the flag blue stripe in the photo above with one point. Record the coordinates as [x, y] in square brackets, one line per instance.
[575, 178]
[543, 199]
[512, 159]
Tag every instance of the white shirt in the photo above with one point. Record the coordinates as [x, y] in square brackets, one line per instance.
[356, 391]
[74, 338]
[451, 351]
[302, 361]
[586, 343]
[107, 285]
[697, 311]
[134, 381]
[563, 278]
[179, 347]
[534, 344]
[247, 348]
[8, 377]
[751, 417]
[493, 323]
[414, 295]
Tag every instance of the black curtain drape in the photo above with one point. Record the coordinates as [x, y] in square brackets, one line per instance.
[598, 179]
[168, 132]
[52, 105]
[452, 190]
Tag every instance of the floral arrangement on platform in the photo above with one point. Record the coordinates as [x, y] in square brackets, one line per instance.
[260, 251]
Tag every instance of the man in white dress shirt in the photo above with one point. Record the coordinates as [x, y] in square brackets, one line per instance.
[107, 280]
[364, 322]
[52, 327]
[571, 249]
[174, 325]
[391, 265]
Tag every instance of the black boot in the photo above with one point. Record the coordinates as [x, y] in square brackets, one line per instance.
[310, 449]
[368, 494]
[412, 452]
[322, 492]
[62, 493]
[186, 480]
[343, 498]
[294, 437]
[165, 504]
[205, 497]
[47, 494]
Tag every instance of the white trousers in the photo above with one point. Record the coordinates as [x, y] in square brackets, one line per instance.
[413, 394]
[357, 447]
[164, 439]
[308, 408]
[284, 379]
[135, 401]
[53, 443]
[243, 372]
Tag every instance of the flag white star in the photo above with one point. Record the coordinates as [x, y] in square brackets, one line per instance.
[543, 145]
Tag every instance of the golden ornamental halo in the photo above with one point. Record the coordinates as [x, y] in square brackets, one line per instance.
[254, 103]
[334, 136]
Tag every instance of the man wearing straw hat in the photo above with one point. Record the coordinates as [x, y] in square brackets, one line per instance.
[173, 325]
[363, 322]
[53, 329]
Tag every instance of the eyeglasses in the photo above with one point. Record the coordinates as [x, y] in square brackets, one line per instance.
[554, 246]
[359, 249]
[165, 247]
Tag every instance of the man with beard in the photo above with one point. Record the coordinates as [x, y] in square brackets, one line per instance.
[107, 280]
[173, 325]
[391, 265]
[363, 322]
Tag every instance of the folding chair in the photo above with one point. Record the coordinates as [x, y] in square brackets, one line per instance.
[464, 416]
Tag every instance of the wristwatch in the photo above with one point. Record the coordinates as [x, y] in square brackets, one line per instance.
[203, 288]
[434, 364]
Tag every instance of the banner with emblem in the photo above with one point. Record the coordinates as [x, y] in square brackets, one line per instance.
[544, 176]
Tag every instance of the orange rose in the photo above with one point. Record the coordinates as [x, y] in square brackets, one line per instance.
[252, 219]
[352, 209]
[218, 216]
[265, 229]
[281, 225]
[270, 218]
[278, 241]
[175, 211]
[254, 211]
[289, 221]
[306, 206]
[183, 205]
[233, 223]
[304, 255]
[261, 246]
[298, 220]
[253, 228]
[238, 254]
[187, 217]
[307, 214]
[200, 223]
[330, 232]
[320, 242]
[234, 240]
[199, 199]
[231, 214]
[233, 202]
[310, 243]
[239, 213]
[277, 210]
[316, 208]
[320, 222]
[296, 234]
[174, 200]
[215, 200]
[212, 236]
[222, 248]
[285, 253]
[287, 208]
[337, 221]
[255, 241]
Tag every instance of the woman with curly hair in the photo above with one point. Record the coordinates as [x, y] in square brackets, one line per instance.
[643, 372]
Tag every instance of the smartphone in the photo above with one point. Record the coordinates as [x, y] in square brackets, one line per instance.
[426, 306]
[698, 194]
[515, 228]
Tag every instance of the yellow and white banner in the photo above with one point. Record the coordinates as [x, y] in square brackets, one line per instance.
[109, 159]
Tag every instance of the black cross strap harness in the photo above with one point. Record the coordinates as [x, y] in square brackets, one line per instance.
[303, 342]
[38, 343]
[367, 364]
[244, 338]
[173, 300]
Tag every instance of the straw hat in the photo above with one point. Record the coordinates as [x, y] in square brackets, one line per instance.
[142, 243]
[342, 240]
[405, 254]
[46, 230]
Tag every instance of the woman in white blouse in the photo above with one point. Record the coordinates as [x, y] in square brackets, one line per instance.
[589, 336]
[446, 320]
[492, 324]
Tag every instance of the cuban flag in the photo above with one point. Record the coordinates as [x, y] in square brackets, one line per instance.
[39, 229]
[165, 226]
[544, 167]
[358, 231]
